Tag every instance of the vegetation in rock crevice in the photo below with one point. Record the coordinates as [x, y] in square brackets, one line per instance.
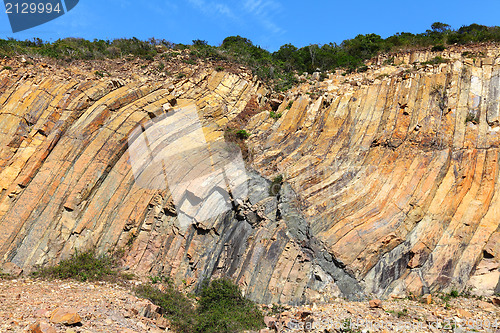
[275, 186]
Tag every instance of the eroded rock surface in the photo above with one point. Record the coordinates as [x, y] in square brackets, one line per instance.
[390, 177]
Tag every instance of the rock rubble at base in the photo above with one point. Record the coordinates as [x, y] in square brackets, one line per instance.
[38, 306]
[30, 306]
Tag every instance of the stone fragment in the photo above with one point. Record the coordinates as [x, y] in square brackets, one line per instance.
[270, 321]
[462, 313]
[162, 322]
[42, 313]
[303, 314]
[487, 306]
[11, 269]
[41, 327]
[375, 303]
[147, 309]
[427, 299]
[65, 316]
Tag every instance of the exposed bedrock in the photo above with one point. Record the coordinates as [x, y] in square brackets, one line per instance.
[390, 178]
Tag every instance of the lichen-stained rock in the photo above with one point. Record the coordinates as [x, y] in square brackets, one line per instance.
[390, 177]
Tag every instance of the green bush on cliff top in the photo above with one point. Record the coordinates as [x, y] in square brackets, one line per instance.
[279, 68]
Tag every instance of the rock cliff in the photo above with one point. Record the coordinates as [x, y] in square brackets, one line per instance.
[389, 177]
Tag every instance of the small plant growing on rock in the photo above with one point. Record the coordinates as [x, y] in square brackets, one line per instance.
[435, 61]
[441, 96]
[275, 115]
[289, 106]
[389, 61]
[8, 68]
[403, 313]
[219, 68]
[189, 61]
[472, 117]
[275, 186]
[242, 134]
[362, 69]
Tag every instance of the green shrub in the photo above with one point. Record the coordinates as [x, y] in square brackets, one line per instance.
[438, 48]
[242, 134]
[275, 115]
[389, 61]
[435, 61]
[161, 279]
[289, 106]
[199, 42]
[148, 57]
[219, 68]
[189, 61]
[284, 81]
[7, 68]
[278, 68]
[83, 266]
[180, 76]
[176, 307]
[403, 313]
[362, 69]
[223, 309]
[99, 73]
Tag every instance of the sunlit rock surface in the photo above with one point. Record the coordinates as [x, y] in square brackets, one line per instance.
[390, 177]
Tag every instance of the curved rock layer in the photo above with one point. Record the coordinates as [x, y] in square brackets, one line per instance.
[391, 178]
[397, 171]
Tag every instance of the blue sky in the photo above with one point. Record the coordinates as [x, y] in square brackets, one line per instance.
[268, 23]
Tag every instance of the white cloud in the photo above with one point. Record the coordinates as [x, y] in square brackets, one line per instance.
[264, 10]
[253, 11]
[224, 10]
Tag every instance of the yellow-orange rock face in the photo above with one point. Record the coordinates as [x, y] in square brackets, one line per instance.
[390, 178]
